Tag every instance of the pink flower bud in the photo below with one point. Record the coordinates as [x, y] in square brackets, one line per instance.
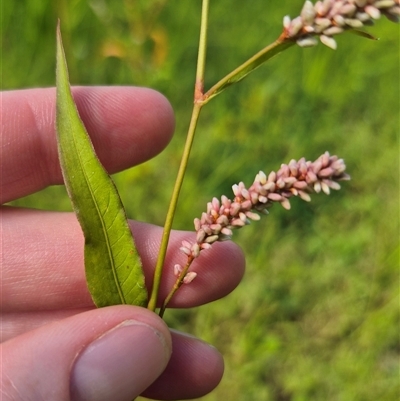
[189, 277]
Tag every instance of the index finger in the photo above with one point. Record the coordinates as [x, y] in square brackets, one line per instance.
[127, 125]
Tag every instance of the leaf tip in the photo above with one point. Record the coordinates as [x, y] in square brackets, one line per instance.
[58, 30]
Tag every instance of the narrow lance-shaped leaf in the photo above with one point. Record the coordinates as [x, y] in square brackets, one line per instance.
[247, 67]
[112, 264]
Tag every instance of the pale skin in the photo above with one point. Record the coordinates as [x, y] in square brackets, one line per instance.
[55, 343]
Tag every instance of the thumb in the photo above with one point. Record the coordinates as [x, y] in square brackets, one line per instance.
[112, 353]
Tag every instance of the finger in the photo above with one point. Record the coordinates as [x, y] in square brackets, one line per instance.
[111, 353]
[195, 369]
[127, 125]
[43, 267]
[106, 354]
[16, 323]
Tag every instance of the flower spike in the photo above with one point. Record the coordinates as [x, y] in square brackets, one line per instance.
[328, 18]
[298, 178]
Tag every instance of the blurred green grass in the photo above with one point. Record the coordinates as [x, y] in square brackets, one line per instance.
[317, 315]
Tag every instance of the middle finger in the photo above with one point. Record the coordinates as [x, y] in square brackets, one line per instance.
[43, 263]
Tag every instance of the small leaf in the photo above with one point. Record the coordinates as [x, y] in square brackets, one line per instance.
[363, 34]
[246, 68]
[112, 264]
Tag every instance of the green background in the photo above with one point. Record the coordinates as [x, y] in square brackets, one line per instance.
[317, 314]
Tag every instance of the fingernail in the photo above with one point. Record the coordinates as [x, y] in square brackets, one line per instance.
[120, 364]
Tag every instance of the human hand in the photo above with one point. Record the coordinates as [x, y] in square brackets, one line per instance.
[55, 344]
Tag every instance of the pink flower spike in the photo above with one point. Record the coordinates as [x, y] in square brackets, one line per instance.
[324, 7]
[238, 223]
[308, 13]
[189, 277]
[247, 205]
[317, 187]
[177, 270]
[245, 193]
[326, 172]
[253, 216]
[373, 12]
[270, 186]
[302, 167]
[197, 224]
[348, 9]
[307, 41]
[223, 220]
[316, 166]
[284, 171]
[186, 251]
[295, 26]
[211, 239]
[186, 244]
[332, 184]
[254, 196]
[215, 204]
[236, 190]
[325, 159]
[354, 23]
[289, 181]
[327, 18]
[325, 188]
[216, 228]
[275, 197]
[311, 177]
[205, 218]
[338, 166]
[242, 216]
[363, 17]
[361, 3]
[294, 179]
[286, 22]
[227, 231]
[201, 234]
[322, 24]
[305, 196]
[235, 208]
[195, 250]
[261, 178]
[207, 230]
[293, 167]
[226, 202]
[328, 41]
[300, 185]
[285, 203]
[280, 183]
[272, 176]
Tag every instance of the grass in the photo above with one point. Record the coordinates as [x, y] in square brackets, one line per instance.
[317, 314]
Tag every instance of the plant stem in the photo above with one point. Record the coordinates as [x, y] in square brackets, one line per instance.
[198, 94]
[172, 207]
[201, 59]
[200, 99]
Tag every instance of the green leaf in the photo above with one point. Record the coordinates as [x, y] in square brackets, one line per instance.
[363, 34]
[113, 268]
[247, 67]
